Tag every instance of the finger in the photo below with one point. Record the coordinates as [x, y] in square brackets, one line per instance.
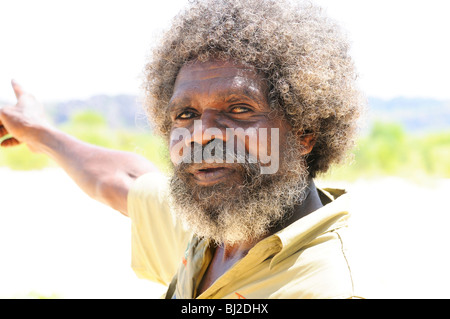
[10, 142]
[3, 131]
[18, 90]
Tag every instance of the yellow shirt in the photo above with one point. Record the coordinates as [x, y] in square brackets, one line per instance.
[307, 259]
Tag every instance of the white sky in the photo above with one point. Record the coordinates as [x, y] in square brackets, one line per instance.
[74, 49]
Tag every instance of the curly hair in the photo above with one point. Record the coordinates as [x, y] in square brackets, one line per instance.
[301, 53]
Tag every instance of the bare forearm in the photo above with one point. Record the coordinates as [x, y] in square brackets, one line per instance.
[103, 174]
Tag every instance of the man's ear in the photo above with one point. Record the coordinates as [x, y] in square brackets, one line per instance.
[307, 140]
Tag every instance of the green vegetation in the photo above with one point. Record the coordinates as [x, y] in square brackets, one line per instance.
[386, 150]
[91, 127]
[21, 158]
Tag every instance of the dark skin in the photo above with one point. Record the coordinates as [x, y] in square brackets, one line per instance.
[220, 94]
[227, 95]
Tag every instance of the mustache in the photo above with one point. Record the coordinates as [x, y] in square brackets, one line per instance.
[216, 152]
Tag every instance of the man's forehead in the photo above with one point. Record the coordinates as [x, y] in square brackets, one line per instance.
[220, 75]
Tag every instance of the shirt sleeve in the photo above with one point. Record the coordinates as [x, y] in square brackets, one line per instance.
[158, 239]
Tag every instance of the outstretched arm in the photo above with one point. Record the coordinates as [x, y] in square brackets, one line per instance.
[105, 175]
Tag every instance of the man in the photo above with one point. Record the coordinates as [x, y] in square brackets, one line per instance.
[255, 98]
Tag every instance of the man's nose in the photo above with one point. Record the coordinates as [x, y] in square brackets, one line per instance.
[208, 128]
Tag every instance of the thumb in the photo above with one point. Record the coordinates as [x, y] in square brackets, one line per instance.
[18, 90]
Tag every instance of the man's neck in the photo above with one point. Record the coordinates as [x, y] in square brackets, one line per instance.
[310, 204]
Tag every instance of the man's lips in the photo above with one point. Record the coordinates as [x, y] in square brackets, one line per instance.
[207, 174]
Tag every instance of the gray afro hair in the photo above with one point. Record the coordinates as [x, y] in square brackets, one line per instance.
[303, 55]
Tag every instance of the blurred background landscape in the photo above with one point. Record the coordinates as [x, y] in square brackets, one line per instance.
[408, 137]
[84, 60]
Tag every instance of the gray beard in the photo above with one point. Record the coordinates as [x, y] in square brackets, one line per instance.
[231, 214]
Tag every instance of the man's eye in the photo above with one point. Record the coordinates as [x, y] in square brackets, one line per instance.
[186, 115]
[240, 109]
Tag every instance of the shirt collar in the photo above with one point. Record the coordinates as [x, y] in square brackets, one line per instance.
[331, 216]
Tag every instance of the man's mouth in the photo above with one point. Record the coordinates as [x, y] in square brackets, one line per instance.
[208, 174]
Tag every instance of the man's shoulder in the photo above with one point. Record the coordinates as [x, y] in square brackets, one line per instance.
[321, 258]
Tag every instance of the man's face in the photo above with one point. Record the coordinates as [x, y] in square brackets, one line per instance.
[227, 104]
[215, 105]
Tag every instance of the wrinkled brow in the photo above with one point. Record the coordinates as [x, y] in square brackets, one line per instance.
[238, 95]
